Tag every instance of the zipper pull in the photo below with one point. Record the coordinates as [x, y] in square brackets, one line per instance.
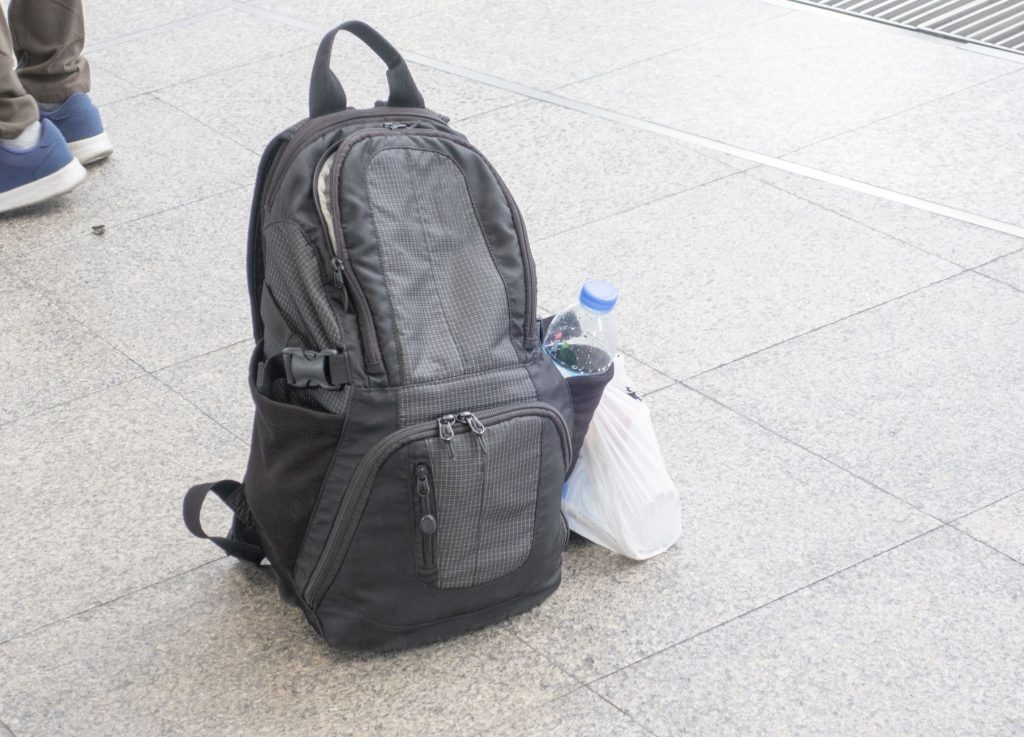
[474, 424]
[446, 430]
[396, 126]
[339, 268]
[428, 522]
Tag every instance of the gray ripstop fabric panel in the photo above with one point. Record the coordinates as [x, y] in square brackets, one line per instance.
[420, 402]
[292, 273]
[458, 483]
[451, 312]
[486, 501]
[510, 497]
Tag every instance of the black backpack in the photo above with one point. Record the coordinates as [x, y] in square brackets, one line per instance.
[411, 437]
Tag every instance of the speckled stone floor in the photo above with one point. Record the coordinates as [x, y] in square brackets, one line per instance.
[816, 227]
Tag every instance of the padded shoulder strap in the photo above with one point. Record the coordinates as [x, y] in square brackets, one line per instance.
[242, 541]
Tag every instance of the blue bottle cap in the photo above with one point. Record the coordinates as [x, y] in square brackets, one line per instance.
[599, 296]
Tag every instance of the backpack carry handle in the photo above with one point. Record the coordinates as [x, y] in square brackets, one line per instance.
[326, 95]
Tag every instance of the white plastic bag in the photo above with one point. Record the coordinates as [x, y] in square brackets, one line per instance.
[619, 495]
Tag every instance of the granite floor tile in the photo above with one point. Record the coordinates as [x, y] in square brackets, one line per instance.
[962, 243]
[1000, 525]
[106, 20]
[580, 714]
[646, 380]
[922, 396]
[760, 518]
[925, 639]
[108, 88]
[381, 14]
[228, 40]
[789, 82]
[551, 44]
[565, 168]
[699, 286]
[1009, 269]
[963, 151]
[47, 355]
[162, 288]
[215, 652]
[91, 507]
[252, 103]
[162, 159]
[217, 384]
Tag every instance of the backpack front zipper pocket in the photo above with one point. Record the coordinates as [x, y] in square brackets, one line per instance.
[458, 446]
[426, 522]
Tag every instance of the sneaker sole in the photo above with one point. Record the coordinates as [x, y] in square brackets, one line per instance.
[60, 182]
[91, 149]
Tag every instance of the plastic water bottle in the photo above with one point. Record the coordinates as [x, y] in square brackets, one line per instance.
[581, 338]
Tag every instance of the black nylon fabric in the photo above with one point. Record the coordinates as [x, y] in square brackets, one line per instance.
[288, 458]
[382, 561]
[372, 414]
[365, 588]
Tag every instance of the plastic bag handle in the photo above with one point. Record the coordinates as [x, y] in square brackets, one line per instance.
[326, 95]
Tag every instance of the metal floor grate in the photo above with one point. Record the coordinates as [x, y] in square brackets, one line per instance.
[998, 23]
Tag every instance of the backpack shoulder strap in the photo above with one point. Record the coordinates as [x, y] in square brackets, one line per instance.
[243, 541]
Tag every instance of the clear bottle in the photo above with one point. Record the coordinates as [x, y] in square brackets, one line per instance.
[581, 338]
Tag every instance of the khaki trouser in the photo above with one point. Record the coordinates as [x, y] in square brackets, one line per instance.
[40, 59]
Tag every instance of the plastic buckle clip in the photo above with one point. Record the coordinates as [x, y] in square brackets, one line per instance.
[306, 369]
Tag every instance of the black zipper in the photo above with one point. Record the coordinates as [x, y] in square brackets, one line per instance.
[356, 493]
[371, 345]
[426, 518]
[318, 126]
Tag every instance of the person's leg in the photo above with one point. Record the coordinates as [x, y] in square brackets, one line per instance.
[35, 162]
[48, 39]
[17, 108]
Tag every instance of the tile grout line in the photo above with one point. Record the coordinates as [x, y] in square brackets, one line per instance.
[114, 600]
[638, 206]
[204, 413]
[823, 326]
[9, 259]
[537, 705]
[156, 30]
[849, 218]
[691, 138]
[942, 523]
[940, 98]
[707, 39]
[824, 458]
[996, 258]
[985, 506]
[622, 711]
[759, 607]
[987, 545]
[997, 280]
[155, 91]
[210, 352]
[155, 94]
[66, 402]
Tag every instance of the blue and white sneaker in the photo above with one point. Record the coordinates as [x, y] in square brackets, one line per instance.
[31, 175]
[79, 121]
